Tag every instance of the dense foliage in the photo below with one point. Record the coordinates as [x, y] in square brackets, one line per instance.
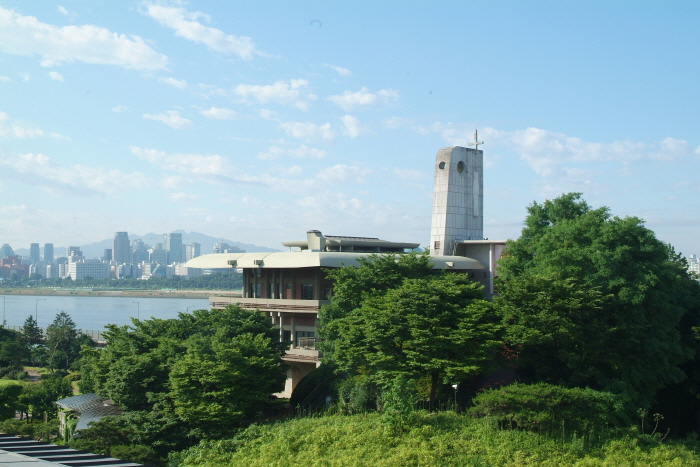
[204, 372]
[592, 300]
[549, 409]
[443, 439]
[392, 317]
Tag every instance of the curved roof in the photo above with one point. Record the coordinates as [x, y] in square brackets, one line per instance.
[310, 259]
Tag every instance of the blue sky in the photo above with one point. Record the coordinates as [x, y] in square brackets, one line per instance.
[257, 121]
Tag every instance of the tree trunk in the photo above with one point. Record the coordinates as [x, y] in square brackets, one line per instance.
[433, 391]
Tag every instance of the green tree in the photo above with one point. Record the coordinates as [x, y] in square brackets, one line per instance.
[593, 300]
[9, 400]
[61, 342]
[435, 326]
[31, 332]
[222, 380]
[225, 363]
[12, 352]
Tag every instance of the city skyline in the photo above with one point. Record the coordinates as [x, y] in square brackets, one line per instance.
[260, 121]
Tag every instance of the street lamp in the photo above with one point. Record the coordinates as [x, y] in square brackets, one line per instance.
[455, 386]
[36, 310]
[138, 310]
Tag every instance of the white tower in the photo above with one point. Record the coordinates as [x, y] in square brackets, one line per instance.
[458, 198]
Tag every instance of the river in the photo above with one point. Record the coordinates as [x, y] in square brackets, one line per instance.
[94, 313]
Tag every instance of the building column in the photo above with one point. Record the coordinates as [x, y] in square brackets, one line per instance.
[317, 284]
[294, 331]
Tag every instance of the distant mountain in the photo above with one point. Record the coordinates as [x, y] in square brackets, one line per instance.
[97, 249]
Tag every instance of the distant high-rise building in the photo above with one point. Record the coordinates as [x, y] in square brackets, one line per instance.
[74, 254]
[223, 247]
[107, 256]
[137, 244]
[48, 253]
[6, 250]
[192, 251]
[34, 252]
[121, 251]
[173, 243]
[158, 255]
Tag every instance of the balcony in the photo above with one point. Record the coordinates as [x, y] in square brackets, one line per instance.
[301, 354]
[269, 304]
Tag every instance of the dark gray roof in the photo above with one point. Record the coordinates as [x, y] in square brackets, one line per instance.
[88, 408]
[94, 415]
[81, 402]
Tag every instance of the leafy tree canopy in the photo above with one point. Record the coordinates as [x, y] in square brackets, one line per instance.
[396, 317]
[211, 368]
[589, 299]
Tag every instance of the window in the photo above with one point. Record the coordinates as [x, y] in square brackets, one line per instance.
[307, 292]
[255, 290]
[437, 245]
[325, 294]
[286, 336]
[306, 339]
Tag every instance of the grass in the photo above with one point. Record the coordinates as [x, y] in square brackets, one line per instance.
[7, 382]
[444, 439]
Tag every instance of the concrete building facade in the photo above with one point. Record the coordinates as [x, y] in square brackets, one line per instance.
[458, 199]
[121, 248]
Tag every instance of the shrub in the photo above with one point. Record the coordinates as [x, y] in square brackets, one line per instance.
[137, 453]
[550, 409]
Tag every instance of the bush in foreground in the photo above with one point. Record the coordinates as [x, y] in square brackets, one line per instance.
[546, 408]
[443, 439]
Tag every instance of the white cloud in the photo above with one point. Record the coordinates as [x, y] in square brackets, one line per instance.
[219, 113]
[186, 25]
[25, 35]
[343, 173]
[552, 154]
[209, 90]
[176, 197]
[78, 180]
[352, 126]
[178, 83]
[339, 69]
[410, 174]
[218, 170]
[194, 164]
[267, 114]
[307, 131]
[349, 100]
[18, 130]
[172, 118]
[56, 76]
[393, 123]
[4, 78]
[25, 76]
[119, 108]
[280, 92]
[302, 152]
[63, 10]
[173, 182]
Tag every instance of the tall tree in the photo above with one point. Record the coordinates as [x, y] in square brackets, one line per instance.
[434, 326]
[31, 332]
[589, 299]
[61, 342]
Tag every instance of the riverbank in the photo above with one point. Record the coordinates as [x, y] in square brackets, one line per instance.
[117, 293]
